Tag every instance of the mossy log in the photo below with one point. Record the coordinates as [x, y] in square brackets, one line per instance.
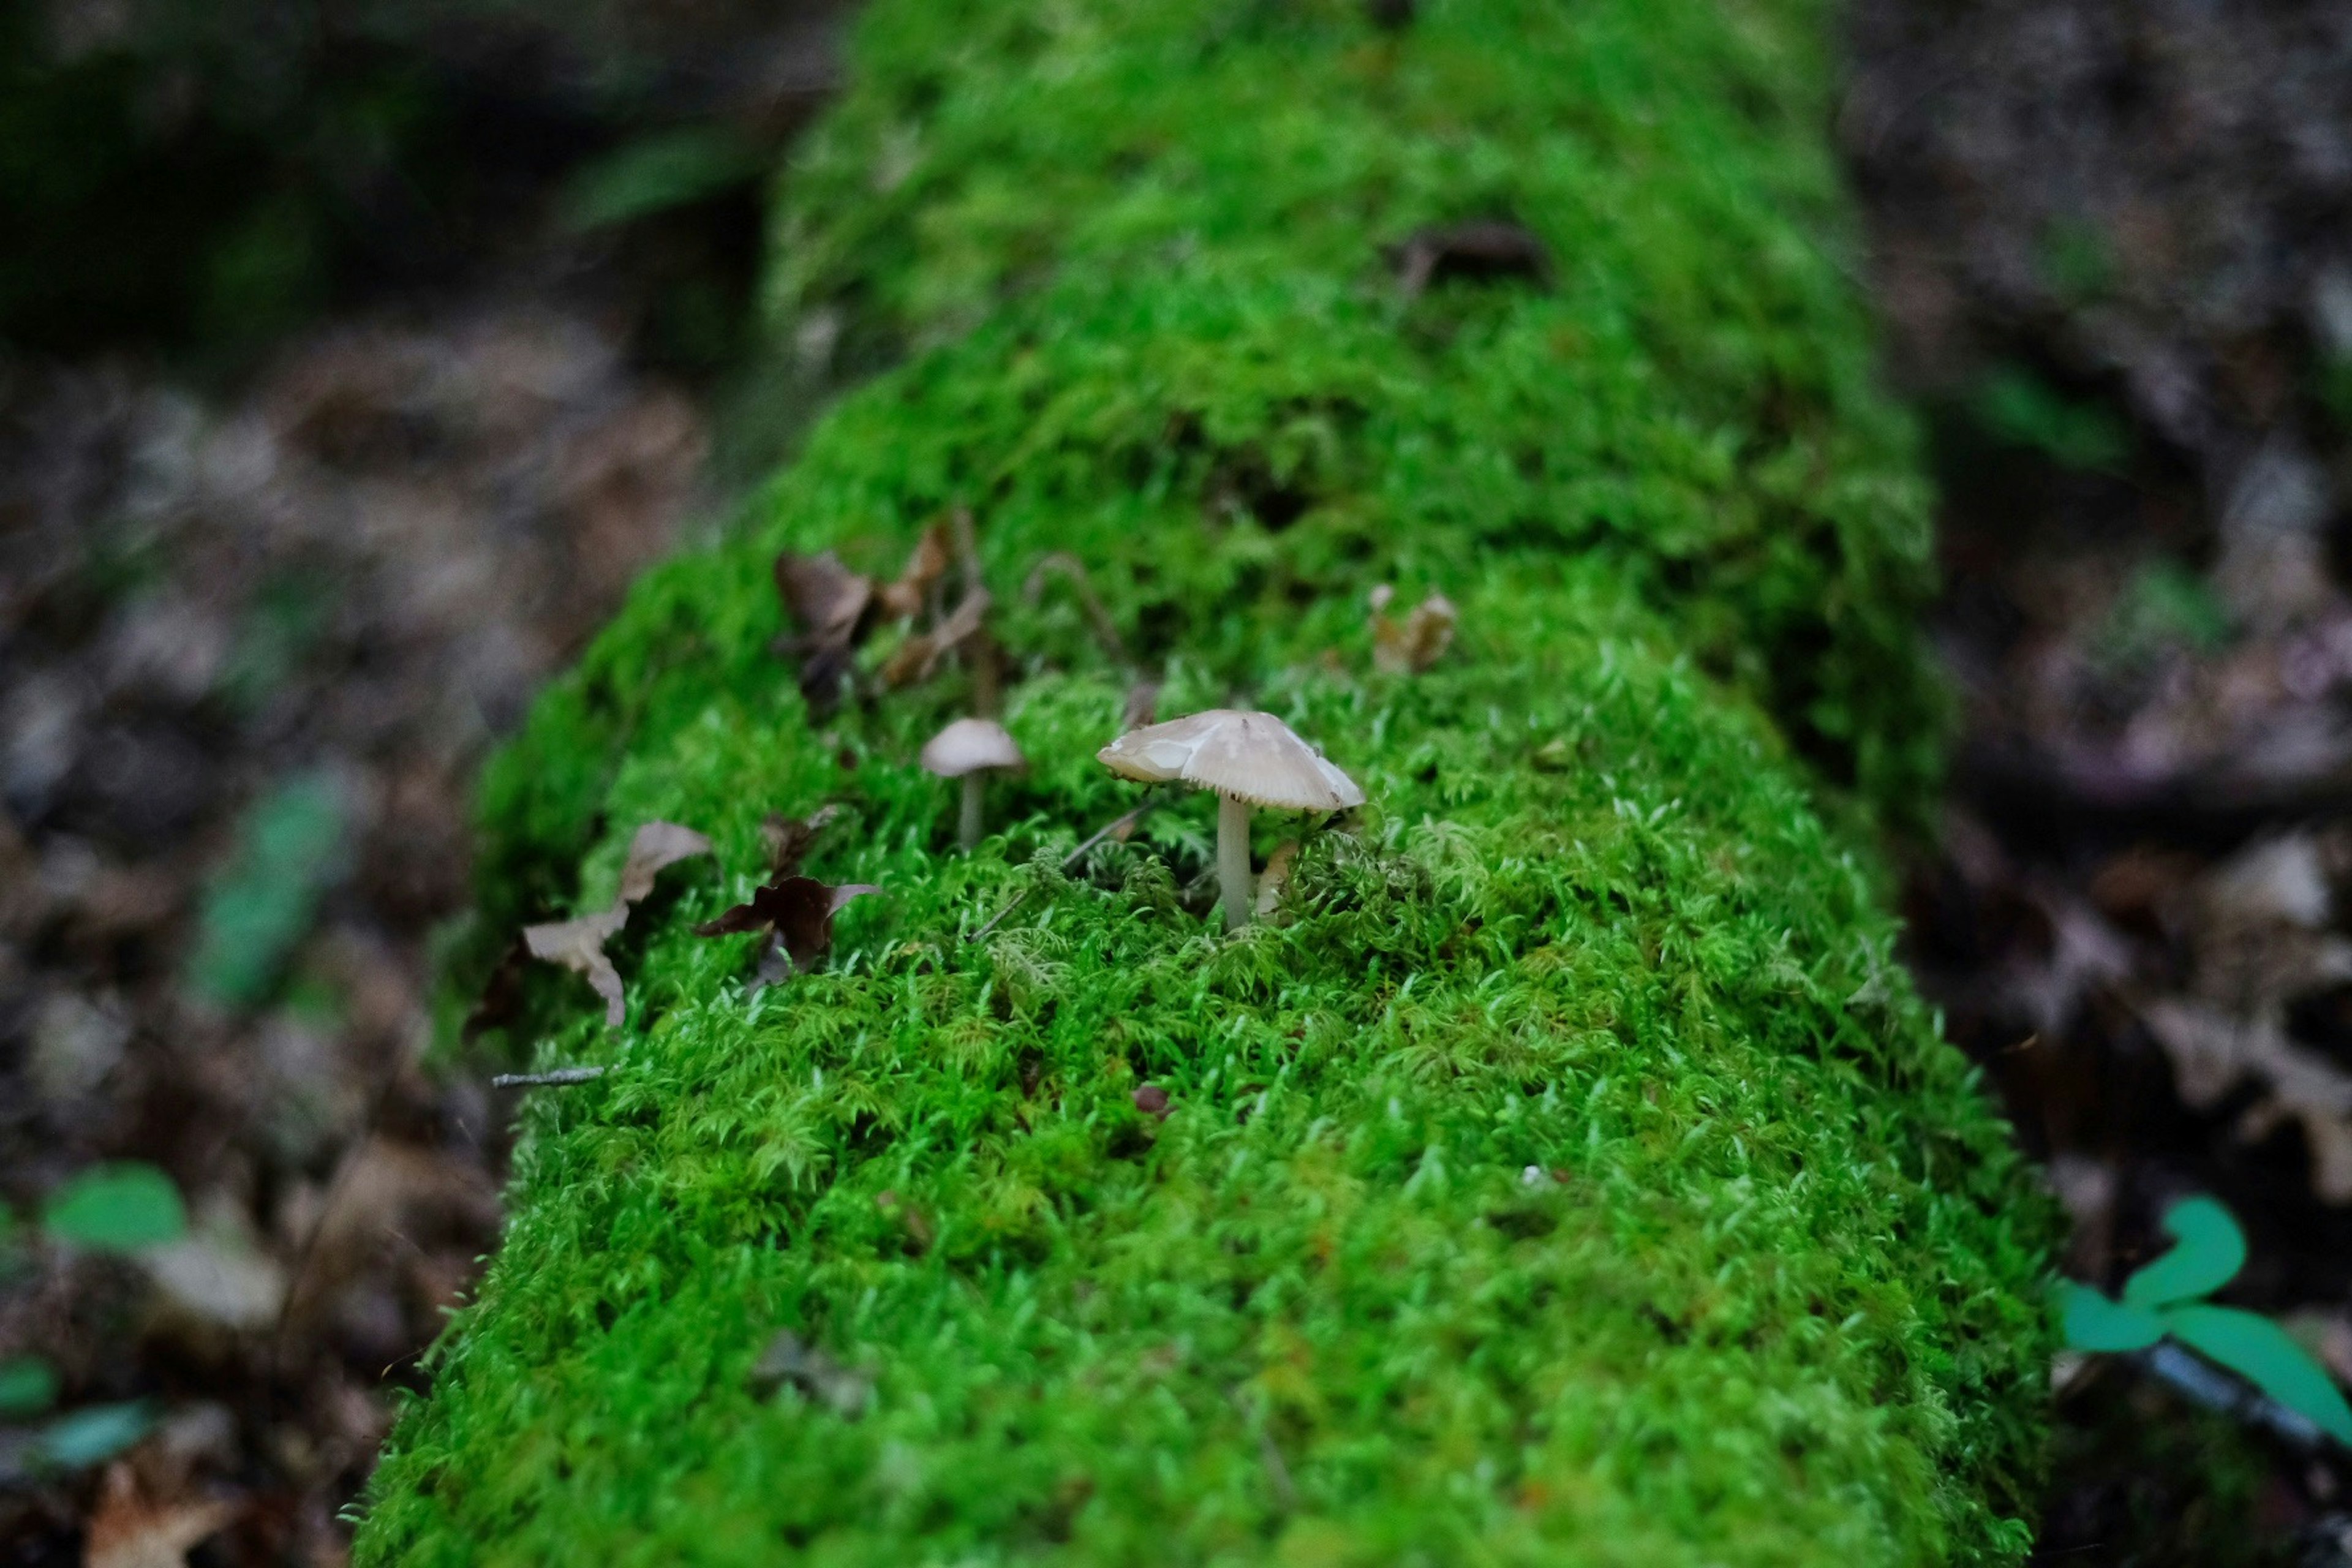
[1565, 1172]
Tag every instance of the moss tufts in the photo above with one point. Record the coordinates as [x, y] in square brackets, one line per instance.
[1567, 1173]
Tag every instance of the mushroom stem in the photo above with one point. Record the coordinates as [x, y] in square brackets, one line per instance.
[1234, 860]
[968, 822]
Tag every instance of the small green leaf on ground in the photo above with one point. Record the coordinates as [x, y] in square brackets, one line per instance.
[658, 173]
[27, 1387]
[117, 1207]
[260, 906]
[2094, 1322]
[2019, 409]
[2210, 1252]
[93, 1434]
[2263, 1354]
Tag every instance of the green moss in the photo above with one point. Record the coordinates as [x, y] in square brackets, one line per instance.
[1570, 1175]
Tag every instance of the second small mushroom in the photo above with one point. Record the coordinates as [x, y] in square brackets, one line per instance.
[1249, 758]
[969, 750]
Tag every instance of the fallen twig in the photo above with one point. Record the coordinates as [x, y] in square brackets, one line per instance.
[1070, 861]
[552, 1076]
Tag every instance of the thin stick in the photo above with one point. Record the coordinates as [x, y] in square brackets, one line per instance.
[552, 1076]
[1063, 564]
[1070, 861]
[1151, 804]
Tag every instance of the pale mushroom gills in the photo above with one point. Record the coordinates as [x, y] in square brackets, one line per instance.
[1249, 758]
[969, 750]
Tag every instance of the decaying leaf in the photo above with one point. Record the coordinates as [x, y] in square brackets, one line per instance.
[130, 1530]
[656, 847]
[1409, 646]
[925, 567]
[799, 910]
[578, 943]
[914, 659]
[826, 597]
[831, 607]
[1477, 252]
[790, 1362]
[2213, 1053]
[500, 1003]
[787, 838]
[2259, 928]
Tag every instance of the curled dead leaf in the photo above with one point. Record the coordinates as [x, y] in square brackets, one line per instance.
[578, 943]
[2212, 1052]
[799, 910]
[787, 840]
[920, 655]
[130, 1530]
[1409, 646]
[579, 946]
[925, 567]
[832, 608]
[826, 597]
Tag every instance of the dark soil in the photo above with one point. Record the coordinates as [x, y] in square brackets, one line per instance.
[2112, 250]
[2110, 245]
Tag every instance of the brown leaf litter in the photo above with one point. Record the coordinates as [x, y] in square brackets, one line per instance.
[798, 909]
[578, 943]
[1411, 645]
[133, 1530]
[834, 608]
[2262, 938]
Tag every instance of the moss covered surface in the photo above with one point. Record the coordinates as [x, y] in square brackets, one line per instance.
[1567, 1175]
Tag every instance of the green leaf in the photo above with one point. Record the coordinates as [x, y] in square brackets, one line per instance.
[2211, 1251]
[27, 1387]
[92, 1435]
[2263, 1354]
[2019, 409]
[117, 1207]
[655, 174]
[2094, 1322]
[289, 850]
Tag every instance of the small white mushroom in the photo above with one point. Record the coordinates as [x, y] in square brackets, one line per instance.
[1249, 758]
[969, 750]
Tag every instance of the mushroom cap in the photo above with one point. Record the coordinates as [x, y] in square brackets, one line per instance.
[1250, 756]
[968, 745]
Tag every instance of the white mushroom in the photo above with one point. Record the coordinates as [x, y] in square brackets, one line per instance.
[1249, 758]
[968, 749]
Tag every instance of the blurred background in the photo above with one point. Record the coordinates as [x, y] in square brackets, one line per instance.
[354, 357]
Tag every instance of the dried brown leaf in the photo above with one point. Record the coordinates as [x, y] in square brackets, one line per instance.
[1411, 645]
[130, 1530]
[925, 567]
[787, 840]
[829, 603]
[654, 847]
[578, 943]
[918, 655]
[2212, 1052]
[826, 597]
[799, 910]
[579, 946]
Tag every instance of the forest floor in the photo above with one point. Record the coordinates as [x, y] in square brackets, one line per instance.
[293, 606]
